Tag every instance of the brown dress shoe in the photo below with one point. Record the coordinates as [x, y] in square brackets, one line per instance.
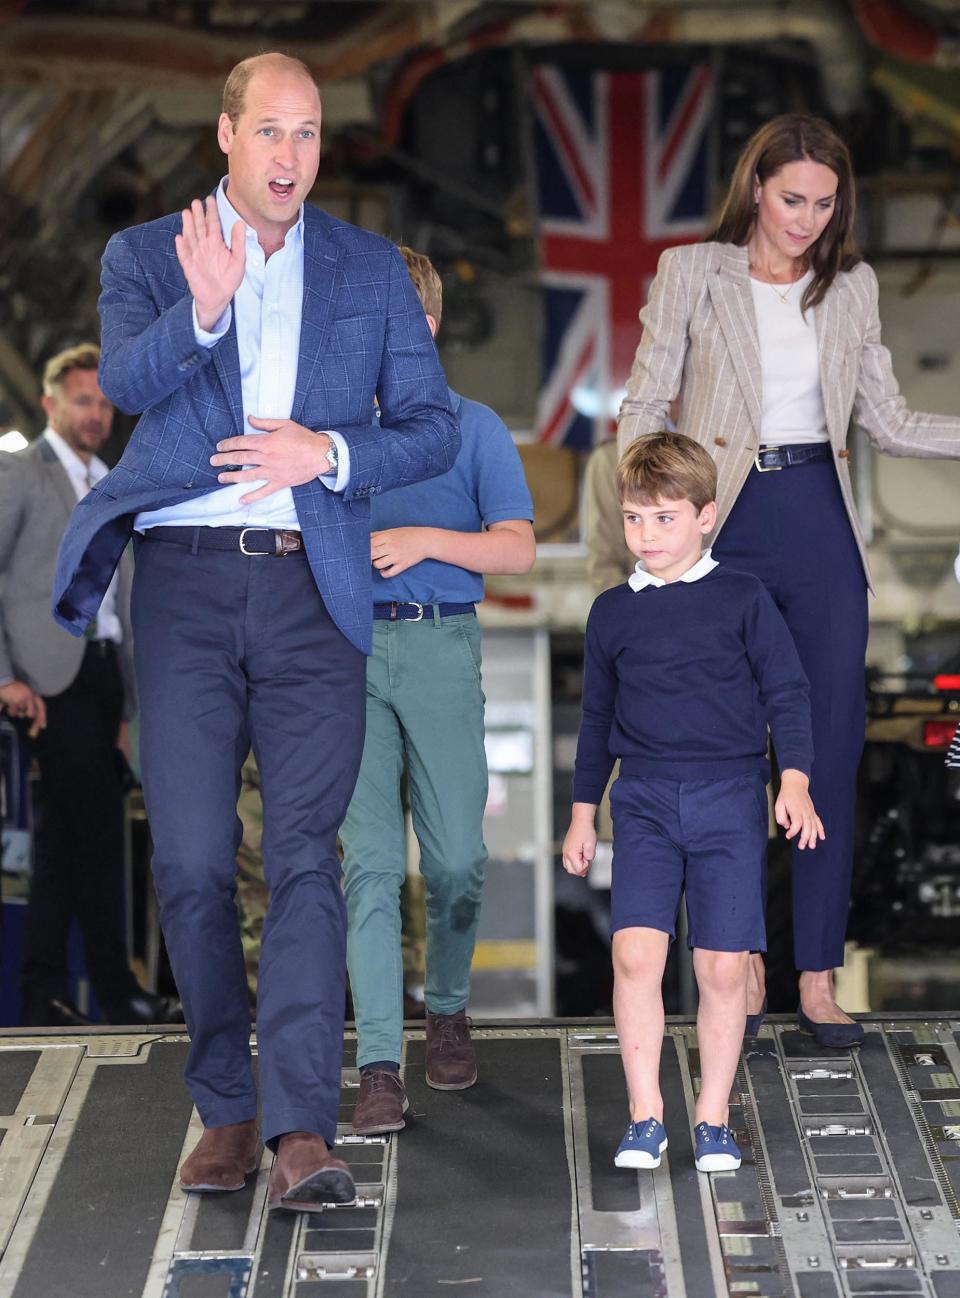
[305, 1174]
[382, 1103]
[223, 1157]
[451, 1059]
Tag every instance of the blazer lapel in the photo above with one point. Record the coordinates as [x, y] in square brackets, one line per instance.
[58, 476]
[320, 262]
[828, 316]
[226, 357]
[732, 298]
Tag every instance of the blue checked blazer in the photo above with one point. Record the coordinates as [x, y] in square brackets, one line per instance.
[363, 334]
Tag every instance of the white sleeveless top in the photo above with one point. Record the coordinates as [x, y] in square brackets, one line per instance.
[792, 410]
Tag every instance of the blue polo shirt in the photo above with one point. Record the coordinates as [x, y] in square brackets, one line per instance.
[486, 485]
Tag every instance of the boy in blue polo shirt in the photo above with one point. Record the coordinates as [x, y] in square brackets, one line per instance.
[430, 545]
[685, 666]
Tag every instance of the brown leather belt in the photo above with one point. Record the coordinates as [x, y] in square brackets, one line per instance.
[252, 541]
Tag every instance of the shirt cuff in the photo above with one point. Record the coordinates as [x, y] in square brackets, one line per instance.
[337, 482]
[205, 339]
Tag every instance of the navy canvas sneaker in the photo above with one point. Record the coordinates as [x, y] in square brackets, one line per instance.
[642, 1145]
[716, 1151]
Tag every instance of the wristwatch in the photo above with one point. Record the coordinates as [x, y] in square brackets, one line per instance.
[332, 458]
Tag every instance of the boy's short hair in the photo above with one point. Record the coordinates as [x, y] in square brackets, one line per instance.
[667, 466]
[425, 280]
[85, 356]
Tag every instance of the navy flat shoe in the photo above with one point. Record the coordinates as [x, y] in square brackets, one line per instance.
[755, 1021]
[831, 1034]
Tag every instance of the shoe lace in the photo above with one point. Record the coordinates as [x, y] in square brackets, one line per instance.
[380, 1079]
[453, 1031]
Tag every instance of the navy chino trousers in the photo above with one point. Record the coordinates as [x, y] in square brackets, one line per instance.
[234, 651]
[790, 528]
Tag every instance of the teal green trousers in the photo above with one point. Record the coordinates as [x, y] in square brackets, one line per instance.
[425, 711]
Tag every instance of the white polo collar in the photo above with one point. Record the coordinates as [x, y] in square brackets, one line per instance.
[639, 579]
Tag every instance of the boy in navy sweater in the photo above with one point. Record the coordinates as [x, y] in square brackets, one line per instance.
[686, 665]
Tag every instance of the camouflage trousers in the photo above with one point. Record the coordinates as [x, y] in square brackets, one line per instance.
[253, 896]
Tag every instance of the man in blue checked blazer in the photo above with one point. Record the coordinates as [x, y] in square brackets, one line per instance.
[254, 333]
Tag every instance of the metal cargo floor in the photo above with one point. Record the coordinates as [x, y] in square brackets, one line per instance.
[849, 1185]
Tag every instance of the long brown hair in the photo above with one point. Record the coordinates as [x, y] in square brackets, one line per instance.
[794, 137]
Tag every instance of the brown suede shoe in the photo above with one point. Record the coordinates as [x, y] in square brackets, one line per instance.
[382, 1103]
[451, 1060]
[222, 1158]
[305, 1174]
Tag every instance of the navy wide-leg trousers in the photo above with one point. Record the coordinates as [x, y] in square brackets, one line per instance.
[234, 651]
[790, 529]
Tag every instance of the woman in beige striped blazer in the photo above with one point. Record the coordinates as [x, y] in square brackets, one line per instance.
[769, 333]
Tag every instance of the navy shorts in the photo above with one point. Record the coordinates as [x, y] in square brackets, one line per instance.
[705, 838]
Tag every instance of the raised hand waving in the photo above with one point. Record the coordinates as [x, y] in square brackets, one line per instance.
[214, 271]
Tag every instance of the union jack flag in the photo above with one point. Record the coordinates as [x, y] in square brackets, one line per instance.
[624, 167]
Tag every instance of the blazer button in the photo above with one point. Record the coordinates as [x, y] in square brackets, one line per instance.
[843, 455]
[719, 441]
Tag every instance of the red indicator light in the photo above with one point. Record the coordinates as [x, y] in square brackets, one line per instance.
[938, 734]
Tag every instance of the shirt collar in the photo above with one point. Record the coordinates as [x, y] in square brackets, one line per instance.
[72, 462]
[639, 579]
[229, 214]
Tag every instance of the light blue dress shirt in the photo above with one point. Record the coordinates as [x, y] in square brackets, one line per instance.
[268, 306]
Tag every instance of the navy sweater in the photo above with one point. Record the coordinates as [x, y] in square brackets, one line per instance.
[681, 681]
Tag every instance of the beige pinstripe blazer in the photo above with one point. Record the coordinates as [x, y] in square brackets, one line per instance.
[700, 342]
[609, 561]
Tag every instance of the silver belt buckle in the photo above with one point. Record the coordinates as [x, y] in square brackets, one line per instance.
[766, 468]
[412, 603]
[252, 554]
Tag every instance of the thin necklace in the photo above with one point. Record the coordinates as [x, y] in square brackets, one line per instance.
[782, 296]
